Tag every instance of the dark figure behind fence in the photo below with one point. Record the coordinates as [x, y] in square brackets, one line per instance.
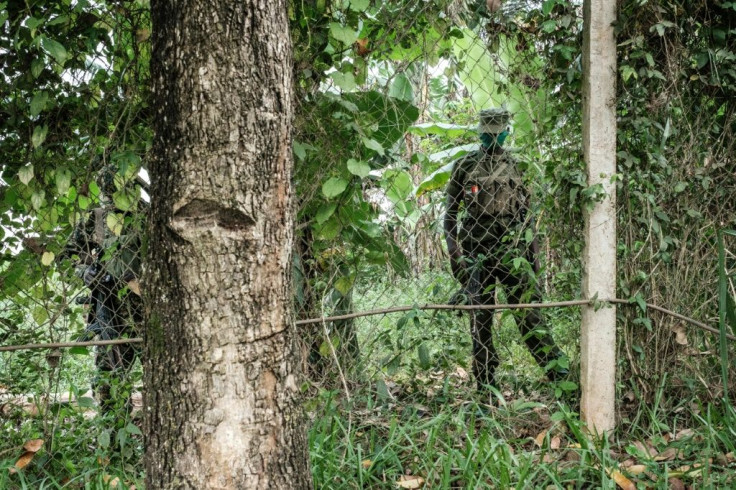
[109, 264]
[486, 227]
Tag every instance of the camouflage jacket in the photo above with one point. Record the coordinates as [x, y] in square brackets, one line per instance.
[487, 194]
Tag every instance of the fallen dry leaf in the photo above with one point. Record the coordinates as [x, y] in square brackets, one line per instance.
[539, 440]
[680, 334]
[33, 446]
[636, 469]
[24, 460]
[555, 443]
[667, 455]
[676, 484]
[410, 481]
[622, 481]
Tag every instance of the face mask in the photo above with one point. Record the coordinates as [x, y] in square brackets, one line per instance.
[489, 140]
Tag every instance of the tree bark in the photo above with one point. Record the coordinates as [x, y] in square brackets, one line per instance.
[221, 368]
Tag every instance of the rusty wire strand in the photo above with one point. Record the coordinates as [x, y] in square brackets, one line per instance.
[398, 309]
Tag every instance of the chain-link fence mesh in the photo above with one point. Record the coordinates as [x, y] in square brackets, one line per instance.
[438, 159]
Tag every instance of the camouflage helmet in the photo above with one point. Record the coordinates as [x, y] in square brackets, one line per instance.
[493, 121]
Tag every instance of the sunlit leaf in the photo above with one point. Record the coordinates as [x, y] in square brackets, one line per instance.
[25, 174]
[55, 49]
[359, 168]
[39, 135]
[333, 187]
[344, 34]
[410, 481]
[115, 223]
[38, 102]
[47, 258]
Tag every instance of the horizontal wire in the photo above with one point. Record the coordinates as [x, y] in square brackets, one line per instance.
[399, 309]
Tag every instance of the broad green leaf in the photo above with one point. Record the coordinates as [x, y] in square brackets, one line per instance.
[333, 187]
[125, 200]
[452, 153]
[384, 118]
[359, 168]
[328, 230]
[401, 88]
[344, 34]
[38, 103]
[299, 151]
[47, 258]
[79, 351]
[359, 5]
[423, 355]
[398, 185]
[115, 223]
[104, 438]
[63, 181]
[37, 66]
[450, 131]
[345, 81]
[55, 49]
[547, 6]
[436, 180]
[133, 429]
[324, 212]
[344, 284]
[85, 402]
[39, 135]
[40, 315]
[37, 199]
[374, 145]
[25, 174]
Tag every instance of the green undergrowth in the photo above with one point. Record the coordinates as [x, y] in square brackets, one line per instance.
[451, 438]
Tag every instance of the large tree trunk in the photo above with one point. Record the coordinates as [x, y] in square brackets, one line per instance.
[221, 368]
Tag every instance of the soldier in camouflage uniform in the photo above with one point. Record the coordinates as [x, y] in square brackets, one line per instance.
[485, 223]
[109, 265]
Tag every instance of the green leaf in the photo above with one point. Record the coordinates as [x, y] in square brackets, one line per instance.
[80, 351]
[37, 67]
[449, 131]
[124, 200]
[547, 6]
[334, 187]
[39, 135]
[25, 174]
[374, 145]
[401, 88]
[359, 168]
[38, 103]
[47, 258]
[104, 438]
[37, 199]
[567, 386]
[344, 284]
[423, 354]
[359, 5]
[63, 181]
[344, 34]
[55, 49]
[345, 81]
[85, 402]
[398, 185]
[436, 180]
[115, 222]
[133, 429]
[299, 150]
[324, 212]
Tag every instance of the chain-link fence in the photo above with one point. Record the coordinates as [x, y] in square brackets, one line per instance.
[438, 161]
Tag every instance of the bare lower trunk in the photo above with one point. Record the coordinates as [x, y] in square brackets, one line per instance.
[221, 368]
